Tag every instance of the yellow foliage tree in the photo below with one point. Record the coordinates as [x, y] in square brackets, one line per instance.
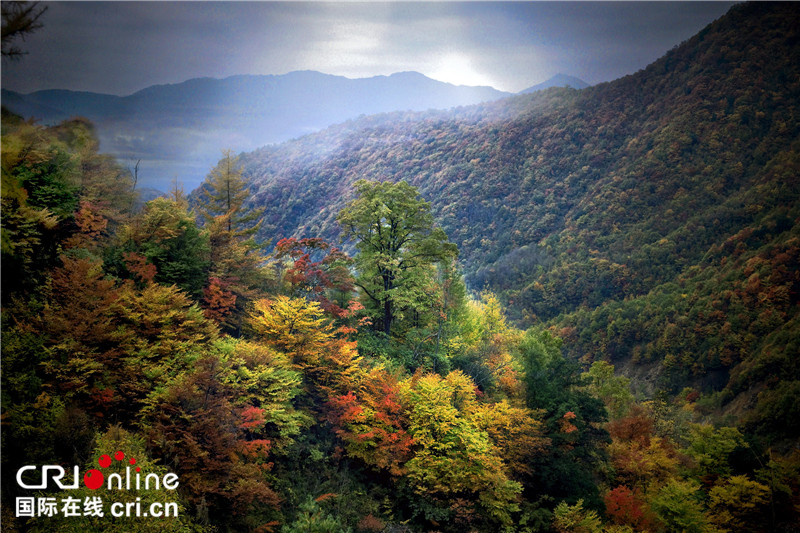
[454, 455]
[294, 325]
[738, 504]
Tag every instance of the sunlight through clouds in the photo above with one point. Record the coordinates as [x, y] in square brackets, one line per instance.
[122, 47]
[458, 69]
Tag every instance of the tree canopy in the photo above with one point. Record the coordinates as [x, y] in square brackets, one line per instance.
[398, 247]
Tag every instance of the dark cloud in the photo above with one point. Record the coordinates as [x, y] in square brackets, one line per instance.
[121, 47]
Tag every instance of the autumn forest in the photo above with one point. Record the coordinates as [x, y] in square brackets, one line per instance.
[567, 311]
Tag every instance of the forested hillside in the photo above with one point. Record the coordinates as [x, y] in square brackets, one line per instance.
[621, 355]
[651, 220]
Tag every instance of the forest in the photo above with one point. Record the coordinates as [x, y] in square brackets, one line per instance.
[650, 221]
[570, 311]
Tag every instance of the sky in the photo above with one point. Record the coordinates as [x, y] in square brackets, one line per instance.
[122, 47]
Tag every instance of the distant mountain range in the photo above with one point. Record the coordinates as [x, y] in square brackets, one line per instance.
[179, 130]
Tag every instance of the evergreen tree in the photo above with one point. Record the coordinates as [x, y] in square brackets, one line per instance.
[235, 262]
[223, 195]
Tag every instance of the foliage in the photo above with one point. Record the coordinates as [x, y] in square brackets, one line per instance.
[235, 262]
[576, 519]
[312, 519]
[678, 507]
[453, 456]
[220, 424]
[327, 280]
[166, 237]
[651, 219]
[573, 419]
[223, 196]
[133, 447]
[613, 390]
[397, 246]
[19, 20]
[641, 459]
[711, 448]
[738, 505]
[627, 508]
[647, 223]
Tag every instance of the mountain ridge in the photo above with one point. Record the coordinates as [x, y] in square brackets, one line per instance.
[179, 129]
[559, 80]
[586, 208]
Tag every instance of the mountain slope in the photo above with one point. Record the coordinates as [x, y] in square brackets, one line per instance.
[180, 129]
[633, 215]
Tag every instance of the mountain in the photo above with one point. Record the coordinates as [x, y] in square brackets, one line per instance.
[652, 220]
[180, 130]
[559, 80]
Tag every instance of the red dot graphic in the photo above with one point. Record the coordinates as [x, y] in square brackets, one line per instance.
[119, 456]
[93, 479]
[104, 461]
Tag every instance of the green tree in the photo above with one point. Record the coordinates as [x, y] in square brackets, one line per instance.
[576, 519]
[311, 518]
[613, 390]
[166, 236]
[739, 504]
[678, 507]
[398, 247]
[711, 449]
[572, 416]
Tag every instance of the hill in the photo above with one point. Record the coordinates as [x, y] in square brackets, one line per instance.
[559, 80]
[179, 129]
[651, 220]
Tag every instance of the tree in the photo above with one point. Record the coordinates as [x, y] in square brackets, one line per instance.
[398, 246]
[220, 423]
[613, 390]
[711, 450]
[294, 325]
[640, 458]
[223, 195]
[327, 280]
[19, 19]
[235, 261]
[677, 505]
[455, 459]
[626, 507]
[166, 235]
[740, 504]
[576, 519]
[573, 418]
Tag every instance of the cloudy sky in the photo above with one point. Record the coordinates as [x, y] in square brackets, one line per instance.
[122, 47]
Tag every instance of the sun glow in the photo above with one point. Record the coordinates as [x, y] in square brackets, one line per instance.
[458, 69]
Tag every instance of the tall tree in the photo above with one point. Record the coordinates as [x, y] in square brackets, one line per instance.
[223, 195]
[235, 261]
[398, 247]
